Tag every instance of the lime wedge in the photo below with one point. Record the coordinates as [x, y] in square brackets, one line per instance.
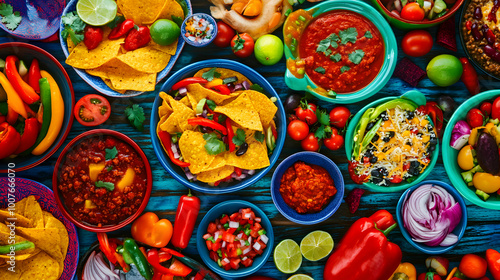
[300, 277]
[287, 257]
[96, 12]
[316, 245]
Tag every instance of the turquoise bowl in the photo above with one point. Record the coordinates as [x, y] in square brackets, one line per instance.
[450, 154]
[416, 97]
[391, 54]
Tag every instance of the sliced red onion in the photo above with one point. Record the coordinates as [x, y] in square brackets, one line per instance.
[397, 5]
[189, 175]
[246, 85]
[175, 151]
[223, 244]
[238, 87]
[257, 219]
[216, 235]
[251, 172]
[240, 235]
[242, 242]
[183, 91]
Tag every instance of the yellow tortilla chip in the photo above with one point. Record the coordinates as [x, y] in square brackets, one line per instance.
[164, 109]
[6, 274]
[70, 44]
[215, 175]
[170, 8]
[98, 72]
[242, 112]
[169, 124]
[264, 106]
[124, 77]
[146, 59]
[46, 239]
[142, 12]
[108, 83]
[197, 92]
[20, 220]
[41, 266]
[192, 146]
[254, 158]
[168, 49]
[225, 73]
[185, 101]
[52, 222]
[33, 212]
[180, 115]
[218, 162]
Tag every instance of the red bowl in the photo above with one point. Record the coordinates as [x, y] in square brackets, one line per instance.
[59, 198]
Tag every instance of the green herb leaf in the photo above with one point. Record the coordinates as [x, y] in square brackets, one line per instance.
[117, 20]
[135, 115]
[239, 43]
[177, 20]
[211, 74]
[320, 70]
[211, 104]
[259, 136]
[214, 145]
[336, 57]
[320, 133]
[420, 3]
[328, 52]
[344, 68]
[9, 17]
[323, 45]
[111, 153]
[368, 34]
[331, 94]
[73, 27]
[109, 186]
[356, 56]
[257, 87]
[348, 35]
[239, 137]
[109, 168]
[323, 117]
[6, 9]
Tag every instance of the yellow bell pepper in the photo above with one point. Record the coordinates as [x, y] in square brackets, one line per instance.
[486, 182]
[214, 82]
[15, 102]
[405, 271]
[474, 135]
[57, 105]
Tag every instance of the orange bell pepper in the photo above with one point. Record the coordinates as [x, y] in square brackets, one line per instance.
[152, 231]
[405, 271]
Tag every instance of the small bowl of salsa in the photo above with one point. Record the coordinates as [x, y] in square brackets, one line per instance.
[341, 52]
[307, 188]
[199, 29]
[102, 180]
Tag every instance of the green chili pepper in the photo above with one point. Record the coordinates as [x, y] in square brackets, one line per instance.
[369, 135]
[360, 132]
[23, 245]
[403, 103]
[138, 258]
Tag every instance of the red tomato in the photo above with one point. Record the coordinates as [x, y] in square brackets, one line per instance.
[224, 35]
[339, 116]
[485, 108]
[307, 113]
[334, 142]
[298, 130]
[242, 45]
[92, 109]
[396, 179]
[310, 143]
[495, 110]
[417, 43]
[475, 118]
[413, 11]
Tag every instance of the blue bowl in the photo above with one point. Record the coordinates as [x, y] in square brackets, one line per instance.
[229, 207]
[459, 230]
[96, 82]
[176, 171]
[208, 18]
[311, 158]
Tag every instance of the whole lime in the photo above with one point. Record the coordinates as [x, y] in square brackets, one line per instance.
[164, 32]
[444, 70]
[268, 49]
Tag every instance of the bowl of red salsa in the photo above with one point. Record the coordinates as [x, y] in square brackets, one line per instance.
[102, 180]
[307, 188]
[341, 52]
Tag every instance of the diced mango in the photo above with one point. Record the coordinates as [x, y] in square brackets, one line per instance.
[89, 204]
[127, 179]
[95, 169]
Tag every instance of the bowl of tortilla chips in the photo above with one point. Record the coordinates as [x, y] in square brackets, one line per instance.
[46, 243]
[112, 70]
[203, 106]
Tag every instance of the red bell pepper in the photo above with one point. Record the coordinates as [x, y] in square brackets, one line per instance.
[137, 38]
[108, 247]
[434, 111]
[121, 30]
[10, 140]
[238, 171]
[166, 142]
[3, 119]
[188, 81]
[92, 36]
[25, 91]
[365, 252]
[185, 220]
[222, 89]
[230, 135]
[208, 123]
[28, 138]
[12, 116]
[469, 77]
[177, 268]
[34, 75]
[31, 113]
[493, 259]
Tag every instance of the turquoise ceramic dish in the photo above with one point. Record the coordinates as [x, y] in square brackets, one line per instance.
[416, 97]
[391, 53]
[450, 154]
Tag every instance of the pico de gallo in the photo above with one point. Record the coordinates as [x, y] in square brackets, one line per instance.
[236, 239]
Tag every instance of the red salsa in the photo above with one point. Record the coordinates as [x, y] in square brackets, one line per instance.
[343, 51]
[307, 188]
[102, 180]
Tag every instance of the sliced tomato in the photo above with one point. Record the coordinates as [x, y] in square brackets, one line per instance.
[92, 110]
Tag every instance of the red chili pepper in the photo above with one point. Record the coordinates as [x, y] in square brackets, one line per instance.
[469, 77]
[121, 30]
[92, 36]
[208, 123]
[230, 135]
[137, 38]
[166, 142]
[225, 180]
[185, 220]
[172, 252]
[176, 269]
[275, 133]
[358, 179]
[12, 116]
[188, 81]
[34, 75]
[25, 91]
[436, 114]
[10, 140]
[222, 89]
[28, 138]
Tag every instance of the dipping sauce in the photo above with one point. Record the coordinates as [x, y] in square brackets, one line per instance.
[307, 188]
[103, 180]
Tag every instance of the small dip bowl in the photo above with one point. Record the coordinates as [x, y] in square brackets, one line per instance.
[207, 24]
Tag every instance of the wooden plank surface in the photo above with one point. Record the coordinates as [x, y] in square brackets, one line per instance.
[483, 230]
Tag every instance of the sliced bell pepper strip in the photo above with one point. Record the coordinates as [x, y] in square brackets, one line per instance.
[175, 269]
[25, 91]
[164, 256]
[106, 248]
[10, 140]
[238, 171]
[179, 269]
[469, 77]
[13, 99]
[208, 123]
[12, 116]
[30, 112]
[45, 94]
[3, 119]
[28, 138]
[140, 261]
[188, 81]
[186, 215]
[121, 30]
[230, 135]
[34, 75]
[222, 89]
[166, 142]
[172, 252]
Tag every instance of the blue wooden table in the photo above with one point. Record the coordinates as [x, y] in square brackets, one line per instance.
[483, 230]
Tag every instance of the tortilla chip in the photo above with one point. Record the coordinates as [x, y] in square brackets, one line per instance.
[185, 101]
[147, 59]
[108, 83]
[98, 72]
[225, 73]
[70, 44]
[192, 146]
[142, 12]
[177, 121]
[264, 106]
[6, 274]
[33, 212]
[21, 206]
[242, 112]
[215, 175]
[198, 92]
[41, 266]
[46, 239]
[170, 8]
[218, 162]
[52, 222]
[168, 49]
[20, 220]
[124, 77]
[254, 158]
[164, 109]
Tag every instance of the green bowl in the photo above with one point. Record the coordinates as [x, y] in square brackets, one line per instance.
[414, 96]
[391, 54]
[404, 24]
[450, 154]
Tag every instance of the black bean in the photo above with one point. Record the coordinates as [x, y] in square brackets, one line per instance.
[375, 173]
[391, 134]
[386, 139]
[242, 150]
[375, 138]
[410, 115]
[370, 126]
[373, 159]
[384, 171]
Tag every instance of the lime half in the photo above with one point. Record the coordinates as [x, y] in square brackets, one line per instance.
[96, 12]
[316, 245]
[287, 256]
[300, 277]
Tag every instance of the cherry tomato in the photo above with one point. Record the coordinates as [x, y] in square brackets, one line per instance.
[310, 143]
[92, 109]
[429, 276]
[475, 118]
[298, 130]
[339, 116]
[334, 142]
[396, 179]
[242, 45]
[307, 112]
[224, 35]
[495, 109]
[417, 43]
[413, 11]
[485, 108]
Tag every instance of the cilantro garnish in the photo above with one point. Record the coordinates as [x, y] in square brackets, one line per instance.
[320, 70]
[211, 104]
[257, 87]
[259, 136]
[320, 133]
[239, 137]
[348, 35]
[344, 68]
[356, 56]
[324, 44]
[109, 186]
[9, 17]
[328, 52]
[109, 168]
[73, 26]
[239, 43]
[211, 74]
[214, 145]
[177, 20]
[336, 57]
[117, 20]
[111, 153]
[368, 34]
[323, 117]
[135, 115]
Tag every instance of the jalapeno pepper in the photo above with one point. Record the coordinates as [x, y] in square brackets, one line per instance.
[187, 81]
[208, 123]
[121, 30]
[166, 142]
[10, 140]
[23, 245]
[370, 134]
[469, 77]
[25, 91]
[28, 138]
[185, 220]
[34, 75]
[140, 261]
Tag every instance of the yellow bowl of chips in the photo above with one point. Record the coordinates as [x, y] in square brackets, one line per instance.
[190, 130]
[112, 70]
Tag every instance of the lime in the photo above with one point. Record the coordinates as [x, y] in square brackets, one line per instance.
[300, 277]
[316, 245]
[96, 12]
[444, 70]
[164, 32]
[287, 256]
[268, 49]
